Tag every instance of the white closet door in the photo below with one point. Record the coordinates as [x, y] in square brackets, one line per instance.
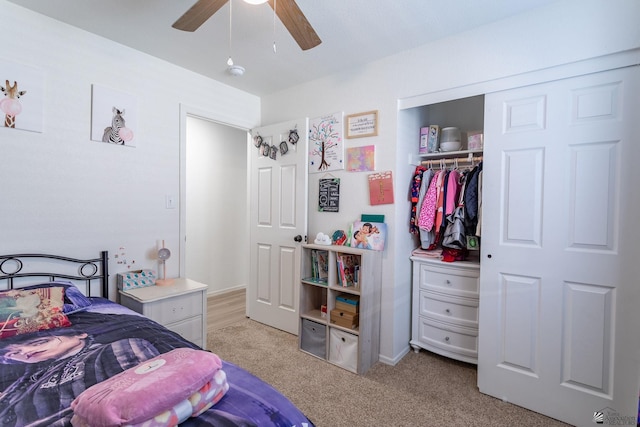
[559, 287]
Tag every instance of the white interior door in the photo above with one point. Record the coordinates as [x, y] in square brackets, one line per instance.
[559, 274]
[278, 204]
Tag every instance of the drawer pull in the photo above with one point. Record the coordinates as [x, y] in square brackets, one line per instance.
[447, 311]
[446, 339]
[448, 282]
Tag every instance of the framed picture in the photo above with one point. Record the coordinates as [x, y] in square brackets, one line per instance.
[114, 116]
[381, 188]
[368, 235]
[326, 146]
[21, 97]
[362, 124]
[329, 195]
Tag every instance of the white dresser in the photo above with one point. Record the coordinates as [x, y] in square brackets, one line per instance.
[444, 316]
[181, 307]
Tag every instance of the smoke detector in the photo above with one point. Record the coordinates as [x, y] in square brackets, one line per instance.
[235, 70]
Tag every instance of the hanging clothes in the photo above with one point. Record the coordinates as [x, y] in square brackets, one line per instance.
[427, 237]
[452, 192]
[427, 216]
[414, 197]
[471, 197]
[435, 195]
[440, 186]
[479, 225]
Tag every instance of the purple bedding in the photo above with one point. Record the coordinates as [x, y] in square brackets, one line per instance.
[37, 390]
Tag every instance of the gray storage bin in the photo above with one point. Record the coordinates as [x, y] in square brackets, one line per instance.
[313, 338]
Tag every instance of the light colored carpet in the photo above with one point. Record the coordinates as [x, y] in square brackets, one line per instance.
[423, 389]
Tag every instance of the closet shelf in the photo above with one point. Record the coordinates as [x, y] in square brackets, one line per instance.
[449, 156]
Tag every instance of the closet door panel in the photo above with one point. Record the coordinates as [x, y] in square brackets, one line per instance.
[558, 308]
[588, 335]
[593, 201]
[520, 327]
[522, 201]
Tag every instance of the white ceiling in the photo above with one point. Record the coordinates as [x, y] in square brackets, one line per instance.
[353, 32]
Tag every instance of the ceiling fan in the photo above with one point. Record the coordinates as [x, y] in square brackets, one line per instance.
[287, 10]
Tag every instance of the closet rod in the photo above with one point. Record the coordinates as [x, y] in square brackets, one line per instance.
[461, 160]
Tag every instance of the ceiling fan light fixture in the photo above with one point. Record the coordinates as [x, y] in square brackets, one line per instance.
[235, 70]
[255, 1]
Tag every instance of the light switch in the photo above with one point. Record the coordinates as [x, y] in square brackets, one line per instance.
[171, 201]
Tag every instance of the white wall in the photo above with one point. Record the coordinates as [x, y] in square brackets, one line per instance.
[63, 193]
[466, 64]
[216, 204]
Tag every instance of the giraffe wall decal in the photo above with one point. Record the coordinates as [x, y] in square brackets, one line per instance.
[10, 104]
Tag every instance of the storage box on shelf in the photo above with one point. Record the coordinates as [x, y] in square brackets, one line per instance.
[348, 334]
[445, 308]
[344, 318]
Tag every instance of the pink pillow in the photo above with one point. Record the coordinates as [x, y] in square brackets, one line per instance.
[151, 388]
[24, 311]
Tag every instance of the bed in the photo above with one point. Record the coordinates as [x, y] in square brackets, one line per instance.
[63, 342]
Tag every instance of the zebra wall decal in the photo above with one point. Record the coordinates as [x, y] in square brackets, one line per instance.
[10, 104]
[117, 133]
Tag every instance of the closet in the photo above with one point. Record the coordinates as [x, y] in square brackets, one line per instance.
[445, 294]
[558, 262]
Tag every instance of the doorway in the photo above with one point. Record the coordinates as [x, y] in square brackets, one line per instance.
[214, 225]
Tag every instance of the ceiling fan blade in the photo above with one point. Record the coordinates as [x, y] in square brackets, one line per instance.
[296, 23]
[198, 14]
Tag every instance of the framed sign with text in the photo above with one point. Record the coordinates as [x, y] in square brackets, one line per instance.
[362, 124]
[329, 195]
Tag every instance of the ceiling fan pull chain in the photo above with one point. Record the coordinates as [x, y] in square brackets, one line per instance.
[275, 4]
[230, 61]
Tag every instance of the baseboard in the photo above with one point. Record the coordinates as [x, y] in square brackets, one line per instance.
[394, 361]
[226, 290]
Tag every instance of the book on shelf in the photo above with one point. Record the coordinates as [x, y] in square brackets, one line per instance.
[314, 264]
[319, 266]
[323, 265]
[348, 266]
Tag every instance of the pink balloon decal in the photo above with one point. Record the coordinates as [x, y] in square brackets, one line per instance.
[125, 134]
[10, 106]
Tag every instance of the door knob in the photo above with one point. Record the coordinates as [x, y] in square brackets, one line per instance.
[298, 238]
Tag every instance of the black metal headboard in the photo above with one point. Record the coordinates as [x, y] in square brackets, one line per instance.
[15, 267]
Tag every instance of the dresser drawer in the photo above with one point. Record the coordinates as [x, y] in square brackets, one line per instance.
[451, 338]
[447, 308]
[448, 279]
[190, 329]
[174, 309]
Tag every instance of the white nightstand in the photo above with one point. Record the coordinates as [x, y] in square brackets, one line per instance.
[181, 307]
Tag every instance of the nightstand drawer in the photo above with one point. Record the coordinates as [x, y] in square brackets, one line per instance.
[190, 329]
[175, 309]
